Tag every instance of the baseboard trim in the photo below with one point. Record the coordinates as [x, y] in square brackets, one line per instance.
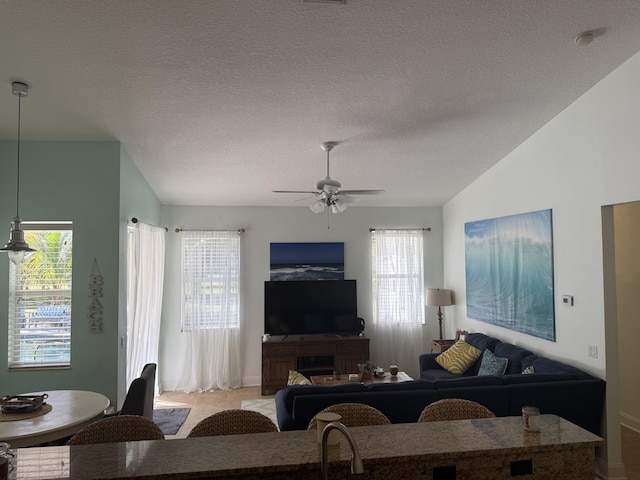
[630, 421]
[610, 472]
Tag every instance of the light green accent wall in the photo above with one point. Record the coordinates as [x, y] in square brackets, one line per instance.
[78, 182]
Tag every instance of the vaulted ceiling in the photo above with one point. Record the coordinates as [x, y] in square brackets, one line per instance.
[219, 102]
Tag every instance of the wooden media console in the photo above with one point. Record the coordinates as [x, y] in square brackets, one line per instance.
[309, 355]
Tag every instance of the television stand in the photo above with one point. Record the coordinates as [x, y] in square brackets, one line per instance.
[309, 355]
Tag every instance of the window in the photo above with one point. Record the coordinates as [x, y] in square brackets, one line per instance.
[397, 277]
[210, 280]
[40, 298]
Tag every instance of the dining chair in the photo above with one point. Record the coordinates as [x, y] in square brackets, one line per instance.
[120, 428]
[233, 422]
[354, 415]
[454, 409]
[139, 398]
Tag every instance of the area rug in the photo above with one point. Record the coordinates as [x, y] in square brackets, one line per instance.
[170, 419]
[266, 407]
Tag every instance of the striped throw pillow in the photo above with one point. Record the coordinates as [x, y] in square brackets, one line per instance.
[296, 378]
[459, 357]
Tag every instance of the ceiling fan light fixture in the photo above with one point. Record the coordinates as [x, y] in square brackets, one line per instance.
[317, 206]
[338, 206]
[329, 192]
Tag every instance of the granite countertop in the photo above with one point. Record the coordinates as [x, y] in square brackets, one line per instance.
[268, 454]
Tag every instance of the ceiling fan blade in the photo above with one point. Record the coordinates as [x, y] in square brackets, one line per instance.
[307, 198]
[362, 192]
[344, 198]
[296, 191]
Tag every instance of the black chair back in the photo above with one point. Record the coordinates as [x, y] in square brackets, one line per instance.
[139, 399]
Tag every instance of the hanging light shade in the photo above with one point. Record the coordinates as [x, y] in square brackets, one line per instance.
[317, 206]
[16, 247]
[338, 205]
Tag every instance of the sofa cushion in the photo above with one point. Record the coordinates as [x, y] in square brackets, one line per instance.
[516, 378]
[546, 365]
[514, 354]
[296, 378]
[401, 386]
[578, 401]
[296, 390]
[437, 374]
[527, 363]
[482, 341]
[466, 381]
[492, 365]
[459, 357]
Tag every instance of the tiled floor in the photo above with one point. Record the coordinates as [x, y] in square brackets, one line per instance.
[204, 404]
[631, 453]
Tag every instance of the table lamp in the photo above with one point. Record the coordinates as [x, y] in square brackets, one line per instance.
[439, 298]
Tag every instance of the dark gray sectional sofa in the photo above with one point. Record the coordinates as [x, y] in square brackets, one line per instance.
[554, 387]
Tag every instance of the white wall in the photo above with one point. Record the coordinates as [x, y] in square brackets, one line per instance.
[286, 224]
[583, 159]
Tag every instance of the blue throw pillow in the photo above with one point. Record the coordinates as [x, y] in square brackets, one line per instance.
[492, 365]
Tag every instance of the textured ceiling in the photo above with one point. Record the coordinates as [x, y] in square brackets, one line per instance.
[219, 102]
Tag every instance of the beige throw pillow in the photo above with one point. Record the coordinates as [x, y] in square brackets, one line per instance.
[459, 357]
[296, 378]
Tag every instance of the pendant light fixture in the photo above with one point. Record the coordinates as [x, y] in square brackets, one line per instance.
[16, 247]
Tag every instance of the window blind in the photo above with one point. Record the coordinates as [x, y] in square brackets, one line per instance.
[397, 276]
[210, 280]
[40, 291]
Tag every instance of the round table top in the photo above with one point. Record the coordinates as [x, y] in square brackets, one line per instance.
[71, 410]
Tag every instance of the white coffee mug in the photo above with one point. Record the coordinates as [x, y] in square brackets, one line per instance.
[322, 420]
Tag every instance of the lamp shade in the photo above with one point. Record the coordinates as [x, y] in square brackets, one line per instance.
[437, 297]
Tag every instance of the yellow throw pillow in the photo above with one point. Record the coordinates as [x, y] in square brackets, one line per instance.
[296, 378]
[459, 357]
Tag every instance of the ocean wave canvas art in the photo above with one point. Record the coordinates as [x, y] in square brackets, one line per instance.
[509, 272]
[307, 261]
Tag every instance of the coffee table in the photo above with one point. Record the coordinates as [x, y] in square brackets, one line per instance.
[329, 380]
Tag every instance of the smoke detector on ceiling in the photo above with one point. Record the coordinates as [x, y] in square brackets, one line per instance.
[583, 39]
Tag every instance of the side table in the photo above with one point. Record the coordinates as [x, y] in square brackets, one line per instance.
[439, 346]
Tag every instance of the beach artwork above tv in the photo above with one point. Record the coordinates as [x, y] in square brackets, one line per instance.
[307, 261]
[509, 272]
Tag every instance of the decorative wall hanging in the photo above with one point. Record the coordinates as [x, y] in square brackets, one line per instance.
[307, 261]
[509, 272]
[94, 311]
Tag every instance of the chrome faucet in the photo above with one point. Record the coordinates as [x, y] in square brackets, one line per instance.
[356, 461]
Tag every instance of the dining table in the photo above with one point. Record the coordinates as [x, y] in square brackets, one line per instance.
[70, 411]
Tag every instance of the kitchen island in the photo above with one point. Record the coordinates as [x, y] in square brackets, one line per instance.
[496, 448]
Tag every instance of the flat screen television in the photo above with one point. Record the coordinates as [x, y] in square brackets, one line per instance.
[311, 307]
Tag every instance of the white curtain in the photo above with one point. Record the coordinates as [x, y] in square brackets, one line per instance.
[398, 299]
[144, 302]
[211, 310]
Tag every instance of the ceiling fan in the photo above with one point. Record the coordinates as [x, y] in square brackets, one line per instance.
[329, 193]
